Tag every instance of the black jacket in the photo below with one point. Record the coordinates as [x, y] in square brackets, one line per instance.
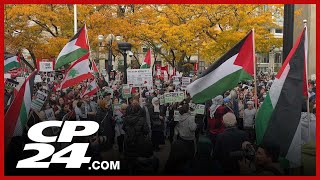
[104, 118]
[136, 129]
[156, 123]
[226, 142]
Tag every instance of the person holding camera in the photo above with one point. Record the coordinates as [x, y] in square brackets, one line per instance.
[228, 141]
[265, 161]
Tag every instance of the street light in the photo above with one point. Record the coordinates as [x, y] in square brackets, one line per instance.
[124, 47]
[110, 38]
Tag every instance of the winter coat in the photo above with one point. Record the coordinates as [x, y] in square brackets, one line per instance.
[104, 118]
[229, 141]
[136, 129]
[156, 123]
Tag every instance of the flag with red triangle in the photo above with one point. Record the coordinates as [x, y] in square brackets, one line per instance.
[94, 68]
[77, 47]
[91, 89]
[233, 67]
[77, 72]
[147, 61]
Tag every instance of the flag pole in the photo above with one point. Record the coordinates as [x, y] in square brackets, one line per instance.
[75, 19]
[306, 71]
[255, 71]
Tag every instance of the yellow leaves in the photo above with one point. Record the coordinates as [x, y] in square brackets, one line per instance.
[185, 29]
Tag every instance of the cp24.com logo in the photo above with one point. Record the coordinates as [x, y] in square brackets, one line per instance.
[77, 150]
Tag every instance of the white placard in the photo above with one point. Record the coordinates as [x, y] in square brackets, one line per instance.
[37, 103]
[140, 77]
[37, 79]
[45, 66]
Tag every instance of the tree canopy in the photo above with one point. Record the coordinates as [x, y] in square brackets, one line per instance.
[180, 30]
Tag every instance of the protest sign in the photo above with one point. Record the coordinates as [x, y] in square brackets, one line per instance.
[37, 79]
[140, 77]
[176, 80]
[162, 101]
[168, 98]
[185, 82]
[50, 114]
[180, 96]
[38, 102]
[200, 109]
[45, 66]
[126, 91]
[116, 108]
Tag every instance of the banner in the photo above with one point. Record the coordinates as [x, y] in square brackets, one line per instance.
[140, 77]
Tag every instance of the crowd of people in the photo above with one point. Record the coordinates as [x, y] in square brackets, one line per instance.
[139, 126]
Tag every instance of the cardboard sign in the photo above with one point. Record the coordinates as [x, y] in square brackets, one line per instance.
[50, 114]
[140, 77]
[45, 66]
[168, 98]
[38, 102]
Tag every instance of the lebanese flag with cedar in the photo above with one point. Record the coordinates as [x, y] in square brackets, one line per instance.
[77, 72]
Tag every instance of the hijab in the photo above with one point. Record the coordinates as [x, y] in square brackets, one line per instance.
[216, 102]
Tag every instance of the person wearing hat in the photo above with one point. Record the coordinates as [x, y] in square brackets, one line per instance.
[248, 120]
[228, 141]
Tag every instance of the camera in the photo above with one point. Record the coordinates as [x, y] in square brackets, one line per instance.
[248, 152]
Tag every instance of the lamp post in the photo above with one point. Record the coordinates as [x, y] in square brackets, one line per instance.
[110, 38]
[124, 47]
[108, 63]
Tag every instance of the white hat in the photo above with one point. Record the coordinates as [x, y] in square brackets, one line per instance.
[250, 102]
[229, 120]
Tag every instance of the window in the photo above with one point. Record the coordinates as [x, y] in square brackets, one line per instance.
[278, 31]
[278, 58]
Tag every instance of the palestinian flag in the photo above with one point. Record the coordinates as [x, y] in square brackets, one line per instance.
[17, 115]
[234, 66]
[147, 61]
[278, 119]
[77, 72]
[77, 47]
[91, 89]
[94, 68]
[11, 62]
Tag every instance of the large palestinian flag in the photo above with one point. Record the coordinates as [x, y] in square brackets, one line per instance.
[11, 62]
[147, 61]
[74, 49]
[17, 115]
[91, 89]
[77, 72]
[278, 118]
[234, 66]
